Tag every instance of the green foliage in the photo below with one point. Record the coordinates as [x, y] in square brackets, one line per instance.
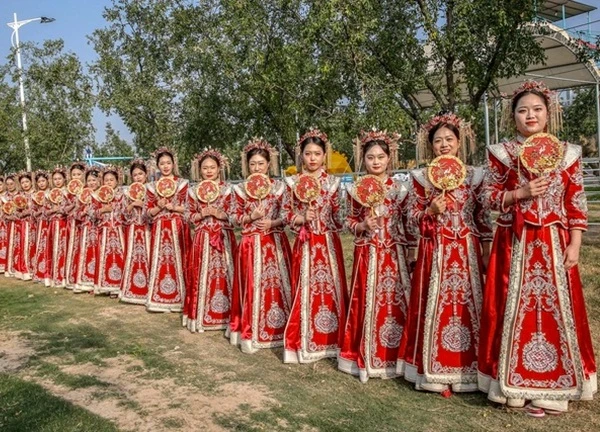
[59, 106]
[580, 122]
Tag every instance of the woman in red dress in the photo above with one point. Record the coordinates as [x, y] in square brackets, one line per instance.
[261, 297]
[111, 243]
[134, 286]
[12, 226]
[59, 234]
[438, 351]
[26, 229]
[43, 251]
[319, 291]
[210, 277]
[88, 244]
[380, 286]
[76, 173]
[3, 229]
[535, 338]
[165, 205]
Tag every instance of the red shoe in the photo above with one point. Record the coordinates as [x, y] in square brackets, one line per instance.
[532, 411]
[446, 393]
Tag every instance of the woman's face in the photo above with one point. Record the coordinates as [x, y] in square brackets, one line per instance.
[25, 184]
[209, 169]
[165, 165]
[313, 157]
[58, 180]
[42, 183]
[531, 115]
[445, 142]
[258, 164]
[77, 174]
[11, 186]
[376, 160]
[92, 182]
[110, 180]
[139, 175]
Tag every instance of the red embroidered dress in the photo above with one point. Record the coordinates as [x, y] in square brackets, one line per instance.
[41, 262]
[380, 287]
[88, 248]
[210, 278]
[14, 239]
[3, 236]
[111, 245]
[440, 339]
[319, 292]
[59, 237]
[170, 239]
[134, 286]
[26, 232]
[262, 291]
[535, 338]
[74, 241]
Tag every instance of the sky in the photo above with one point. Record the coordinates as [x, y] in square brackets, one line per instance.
[76, 19]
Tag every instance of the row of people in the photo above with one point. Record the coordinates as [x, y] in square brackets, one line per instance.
[463, 316]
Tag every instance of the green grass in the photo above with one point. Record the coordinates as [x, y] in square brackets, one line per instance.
[27, 407]
[71, 330]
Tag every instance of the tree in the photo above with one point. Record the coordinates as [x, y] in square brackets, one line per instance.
[580, 122]
[59, 104]
[113, 145]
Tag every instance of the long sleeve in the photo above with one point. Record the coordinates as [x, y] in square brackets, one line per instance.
[496, 179]
[353, 218]
[575, 199]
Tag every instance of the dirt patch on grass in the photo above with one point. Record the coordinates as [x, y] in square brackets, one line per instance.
[137, 403]
[14, 352]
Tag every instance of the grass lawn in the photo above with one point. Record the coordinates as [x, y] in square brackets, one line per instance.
[78, 363]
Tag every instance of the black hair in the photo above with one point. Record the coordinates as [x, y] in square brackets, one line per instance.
[163, 153]
[520, 95]
[94, 172]
[79, 165]
[370, 144]
[209, 157]
[440, 125]
[258, 151]
[313, 140]
[41, 174]
[139, 165]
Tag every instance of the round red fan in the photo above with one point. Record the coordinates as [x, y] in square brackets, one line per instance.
[75, 186]
[307, 188]
[541, 153]
[39, 197]
[208, 191]
[166, 187]
[20, 202]
[85, 196]
[136, 191]
[9, 207]
[370, 191]
[56, 196]
[106, 194]
[258, 186]
[447, 172]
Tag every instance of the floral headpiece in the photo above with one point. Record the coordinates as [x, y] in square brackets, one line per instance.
[91, 170]
[555, 120]
[313, 133]
[77, 164]
[212, 153]
[164, 150]
[262, 144]
[41, 173]
[60, 169]
[466, 137]
[24, 173]
[374, 134]
[117, 171]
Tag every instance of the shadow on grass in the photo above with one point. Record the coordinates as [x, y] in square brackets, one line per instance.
[28, 407]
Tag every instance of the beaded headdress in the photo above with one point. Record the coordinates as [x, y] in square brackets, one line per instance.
[262, 144]
[313, 133]
[555, 119]
[153, 165]
[222, 161]
[374, 134]
[466, 137]
[116, 171]
[41, 173]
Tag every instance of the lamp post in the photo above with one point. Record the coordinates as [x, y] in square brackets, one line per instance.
[14, 39]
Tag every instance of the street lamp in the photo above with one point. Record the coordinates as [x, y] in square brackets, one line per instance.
[14, 39]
